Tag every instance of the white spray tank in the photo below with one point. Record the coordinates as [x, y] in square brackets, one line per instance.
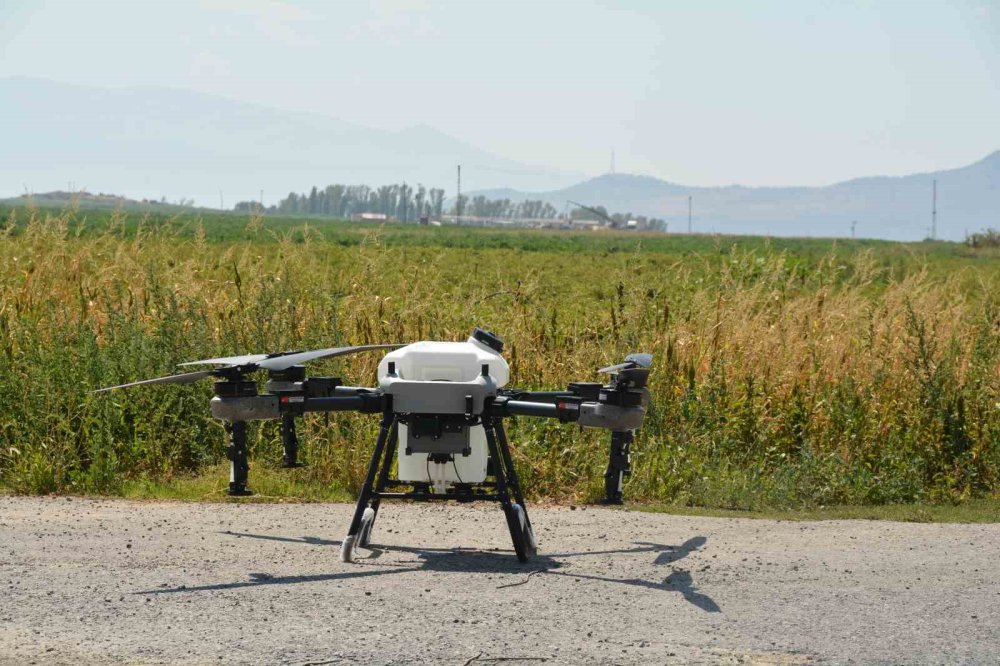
[447, 362]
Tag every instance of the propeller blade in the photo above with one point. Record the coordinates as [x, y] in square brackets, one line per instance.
[635, 360]
[288, 360]
[251, 362]
[185, 378]
[228, 360]
[279, 361]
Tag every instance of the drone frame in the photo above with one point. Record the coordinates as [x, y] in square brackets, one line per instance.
[618, 406]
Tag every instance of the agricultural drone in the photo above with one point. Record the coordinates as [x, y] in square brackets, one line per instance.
[442, 406]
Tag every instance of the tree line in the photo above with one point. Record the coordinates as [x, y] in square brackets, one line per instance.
[404, 202]
[504, 209]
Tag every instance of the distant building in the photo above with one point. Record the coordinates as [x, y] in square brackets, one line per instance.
[528, 222]
[593, 225]
[371, 217]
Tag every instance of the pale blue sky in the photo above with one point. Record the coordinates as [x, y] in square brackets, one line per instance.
[703, 93]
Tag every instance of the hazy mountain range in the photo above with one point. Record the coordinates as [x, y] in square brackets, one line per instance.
[899, 208]
[150, 142]
[153, 142]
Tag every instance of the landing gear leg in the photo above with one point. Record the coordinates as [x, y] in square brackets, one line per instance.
[239, 466]
[289, 443]
[515, 487]
[514, 512]
[619, 466]
[365, 534]
[367, 491]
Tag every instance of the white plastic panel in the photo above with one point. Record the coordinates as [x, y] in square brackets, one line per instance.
[447, 361]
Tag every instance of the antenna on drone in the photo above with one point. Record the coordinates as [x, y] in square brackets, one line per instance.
[934, 210]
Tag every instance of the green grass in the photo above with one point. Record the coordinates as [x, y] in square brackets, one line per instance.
[216, 227]
[210, 485]
[983, 510]
[284, 486]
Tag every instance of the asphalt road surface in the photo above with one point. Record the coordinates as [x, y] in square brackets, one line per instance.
[110, 581]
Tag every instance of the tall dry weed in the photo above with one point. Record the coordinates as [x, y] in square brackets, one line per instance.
[778, 381]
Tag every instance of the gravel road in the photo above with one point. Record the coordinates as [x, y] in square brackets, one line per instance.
[111, 581]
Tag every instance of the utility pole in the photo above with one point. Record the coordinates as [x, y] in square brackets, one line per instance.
[934, 211]
[689, 213]
[854, 223]
[458, 199]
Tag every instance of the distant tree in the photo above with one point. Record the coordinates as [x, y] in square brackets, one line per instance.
[411, 203]
[460, 205]
[436, 202]
[334, 200]
[419, 202]
[313, 202]
[404, 206]
[984, 238]
[253, 207]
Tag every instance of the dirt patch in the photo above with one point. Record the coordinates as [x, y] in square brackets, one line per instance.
[97, 581]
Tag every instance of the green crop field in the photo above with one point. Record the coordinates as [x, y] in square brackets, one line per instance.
[788, 373]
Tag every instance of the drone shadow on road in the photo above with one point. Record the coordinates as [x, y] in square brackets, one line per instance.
[477, 561]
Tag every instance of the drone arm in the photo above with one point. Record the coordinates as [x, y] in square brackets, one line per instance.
[570, 409]
[536, 396]
[268, 407]
[365, 403]
[504, 407]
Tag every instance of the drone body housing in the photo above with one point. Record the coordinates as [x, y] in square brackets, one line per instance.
[440, 390]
